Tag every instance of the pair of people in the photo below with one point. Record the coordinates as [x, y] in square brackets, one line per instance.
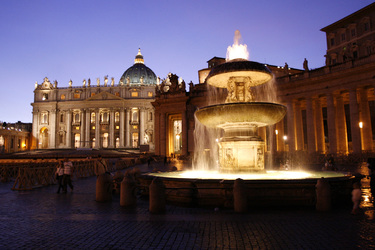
[63, 173]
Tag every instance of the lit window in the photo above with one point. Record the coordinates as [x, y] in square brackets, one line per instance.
[92, 117]
[77, 95]
[134, 94]
[117, 117]
[92, 94]
[117, 127]
[45, 96]
[150, 94]
[117, 94]
[93, 127]
[62, 97]
[135, 127]
[77, 128]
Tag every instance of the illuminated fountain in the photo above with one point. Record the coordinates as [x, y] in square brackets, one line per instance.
[241, 149]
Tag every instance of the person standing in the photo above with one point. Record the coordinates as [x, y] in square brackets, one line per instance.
[68, 170]
[356, 196]
[59, 175]
[100, 166]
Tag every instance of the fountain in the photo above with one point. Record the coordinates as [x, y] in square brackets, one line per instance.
[241, 149]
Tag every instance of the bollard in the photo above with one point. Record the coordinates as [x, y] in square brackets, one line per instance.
[127, 192]
[157, 196]
[323, 195]
[117, 179]
[104, 186]
[239, 196]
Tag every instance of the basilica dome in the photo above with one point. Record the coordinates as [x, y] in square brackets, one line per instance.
[139, 73]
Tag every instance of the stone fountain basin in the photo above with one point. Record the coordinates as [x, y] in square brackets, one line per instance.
[270, 192]
[257, 72]
[258, 114]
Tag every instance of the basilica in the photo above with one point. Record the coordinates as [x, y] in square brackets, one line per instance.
[330, 110]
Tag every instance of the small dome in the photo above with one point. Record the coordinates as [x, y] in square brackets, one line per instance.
[139, 73]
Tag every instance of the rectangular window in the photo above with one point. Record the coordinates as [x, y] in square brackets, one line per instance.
[366, 26]
[332, 41]
[353, 32]
[45, 96]
[134, 94]
[343, 37]
[92, 94]
[62, 97]
[150, 94]
[77, 95]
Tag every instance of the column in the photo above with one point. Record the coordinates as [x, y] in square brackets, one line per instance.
[342, 137]
[365, 118]
[162, 136]
[184, 133]
[122, 128]
[142, 126]
[291, 131]
[87, 129]
[279, 136]
[310, 124]
[127, 128]
[354, 121]
[97, 129]
[52, 122]
[35, 132]
[82, 128]
[69, 128]
[157, 132]
[331, 122]
[111, 128]
[319, 126]
[299, 126]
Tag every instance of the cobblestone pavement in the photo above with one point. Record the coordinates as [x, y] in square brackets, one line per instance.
[43, 219]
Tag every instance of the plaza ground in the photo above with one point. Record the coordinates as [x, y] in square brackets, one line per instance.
[42, 219]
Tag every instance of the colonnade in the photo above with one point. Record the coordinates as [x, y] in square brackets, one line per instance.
[344, 126]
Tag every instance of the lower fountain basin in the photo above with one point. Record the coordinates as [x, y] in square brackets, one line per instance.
[271, 189]
[257, 114]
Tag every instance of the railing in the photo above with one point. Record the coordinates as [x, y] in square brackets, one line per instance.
[30, 175]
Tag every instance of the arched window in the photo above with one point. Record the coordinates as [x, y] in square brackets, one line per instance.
[93, 117]
[117, 117]
[135, 116]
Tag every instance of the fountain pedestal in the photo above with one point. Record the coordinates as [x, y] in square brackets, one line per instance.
[241, 156]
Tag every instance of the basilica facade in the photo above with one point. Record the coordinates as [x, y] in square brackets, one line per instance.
[97, 115]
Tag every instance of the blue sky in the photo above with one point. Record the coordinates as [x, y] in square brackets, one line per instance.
[81, 39]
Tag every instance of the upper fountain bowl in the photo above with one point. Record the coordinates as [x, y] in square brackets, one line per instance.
[258, 73]
[248, 113]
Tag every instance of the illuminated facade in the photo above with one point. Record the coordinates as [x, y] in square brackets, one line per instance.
[14, 137]
[97, 115]
[330, 110]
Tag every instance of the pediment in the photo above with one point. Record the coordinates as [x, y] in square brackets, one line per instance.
[104, 96]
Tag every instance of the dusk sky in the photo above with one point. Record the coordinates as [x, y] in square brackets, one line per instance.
[83, 39]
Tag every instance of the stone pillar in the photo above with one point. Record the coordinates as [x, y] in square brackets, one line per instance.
[354, 121]
[87, 129]
[280, 135]
[122, 128]
[365, 118]
[83, 128]
[142, 126]
[157, 133]
[342, 137]
[331, 122]
[310, 123]
[184, 133]
[52, 122]
[97, 128]
[291, 131]
[111, 128]
[69, 128]
[299, 126]
[35, 132]
[127, 129]
[162, 136]
[320, 141]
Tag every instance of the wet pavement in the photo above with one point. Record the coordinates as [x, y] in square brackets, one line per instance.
[43, 219]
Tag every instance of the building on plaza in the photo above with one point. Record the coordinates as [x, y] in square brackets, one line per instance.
[97, 115]
[14, 137]
[330, 110]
